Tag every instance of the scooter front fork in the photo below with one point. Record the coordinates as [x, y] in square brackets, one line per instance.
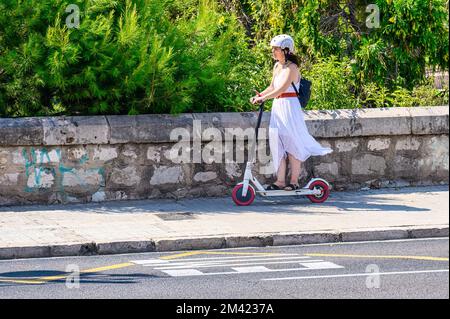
[247, 177]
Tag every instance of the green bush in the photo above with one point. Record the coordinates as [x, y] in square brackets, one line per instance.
[126, 57]
[331, 85]
[425, 94]
[171, 56]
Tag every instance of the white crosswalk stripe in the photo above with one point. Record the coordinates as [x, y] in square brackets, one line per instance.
[251, 269]
[253, 257]
[239, 265]
[211, 265]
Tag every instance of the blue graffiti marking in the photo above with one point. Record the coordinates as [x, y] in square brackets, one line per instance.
[38, 167]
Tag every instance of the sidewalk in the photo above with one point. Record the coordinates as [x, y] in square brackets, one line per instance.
[209, 223]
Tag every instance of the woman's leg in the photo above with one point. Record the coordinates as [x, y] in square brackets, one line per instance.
[295, 165]
[281, 173]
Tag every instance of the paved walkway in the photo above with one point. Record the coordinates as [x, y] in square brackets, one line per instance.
[205, 223]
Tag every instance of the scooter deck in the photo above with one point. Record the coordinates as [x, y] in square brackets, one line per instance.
[297, 192]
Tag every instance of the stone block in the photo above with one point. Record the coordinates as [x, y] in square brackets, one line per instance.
[10, 179]
[233, 170]
[205, 176]
[327, 169]
[435, 155]
[105, 153]
[76, 130]
[346, 146]
[148, 128]
[99, 196]
[167, 175]
[358, 122]
[154, 153]
[41, 177]
[404, 166]
[76, 153]
[21, 131]
[83, 177]
[368, 165]
[378, 144]
[127, 176]
[429, 120]
[408, 143]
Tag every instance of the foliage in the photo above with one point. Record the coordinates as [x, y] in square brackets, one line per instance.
[171, 56]
[331, 89]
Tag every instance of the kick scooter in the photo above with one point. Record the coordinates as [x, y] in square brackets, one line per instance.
[317, 189]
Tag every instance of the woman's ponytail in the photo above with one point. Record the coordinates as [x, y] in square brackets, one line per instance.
[291, 57]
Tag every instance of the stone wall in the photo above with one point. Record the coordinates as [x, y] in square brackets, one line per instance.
[98, 158]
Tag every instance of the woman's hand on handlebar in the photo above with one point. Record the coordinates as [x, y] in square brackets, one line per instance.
[252, 99]
[258, 100]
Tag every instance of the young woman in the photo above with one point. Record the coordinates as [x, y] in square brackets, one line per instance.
[288, 134]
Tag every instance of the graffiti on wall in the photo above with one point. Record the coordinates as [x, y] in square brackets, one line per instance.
[44, 170]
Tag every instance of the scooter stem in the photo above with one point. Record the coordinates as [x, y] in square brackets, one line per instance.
[252, 150]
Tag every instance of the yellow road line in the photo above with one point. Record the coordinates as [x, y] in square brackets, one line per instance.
[190, 253]
[205, 252]
[229, 253]
[377, 256]
[43, 280]
[31, 281]
[116, 266]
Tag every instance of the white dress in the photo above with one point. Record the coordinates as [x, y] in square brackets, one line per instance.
[288, 132]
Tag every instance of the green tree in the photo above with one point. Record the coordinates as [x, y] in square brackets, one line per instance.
[171, 56]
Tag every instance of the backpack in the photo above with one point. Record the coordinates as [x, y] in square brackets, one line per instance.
[304, 92]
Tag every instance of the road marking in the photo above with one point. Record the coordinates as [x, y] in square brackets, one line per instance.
[265, 270]
[251, 269]
[183, 272]
[162, 260]
[156, 261]
[207, 252]
[116, 266]
[150, 262]
[229, 265]
[235, 253]
[181, 255]
[43, 280]
[358, 275]
[240, 265]
[385, 257]
[321, 265]
[22, 281]
[218, 262]
[245, 263]
[242, 248]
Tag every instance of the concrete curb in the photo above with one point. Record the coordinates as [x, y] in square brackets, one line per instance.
[253, 240]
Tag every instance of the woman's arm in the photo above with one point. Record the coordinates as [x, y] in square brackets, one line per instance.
[270, 87]
[287, 77]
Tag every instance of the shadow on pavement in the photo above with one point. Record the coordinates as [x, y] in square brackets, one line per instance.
[85, 278]
[371, 200]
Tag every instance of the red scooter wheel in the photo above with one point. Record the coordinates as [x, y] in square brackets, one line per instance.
[324, 192]
[241, 200]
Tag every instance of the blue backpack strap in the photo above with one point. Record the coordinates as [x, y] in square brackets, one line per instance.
[296, 92]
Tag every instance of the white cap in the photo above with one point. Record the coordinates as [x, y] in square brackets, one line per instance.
[283, 41]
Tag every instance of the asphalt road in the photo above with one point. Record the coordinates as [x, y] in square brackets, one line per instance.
[384, 269]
